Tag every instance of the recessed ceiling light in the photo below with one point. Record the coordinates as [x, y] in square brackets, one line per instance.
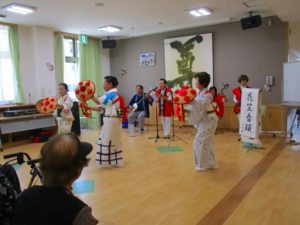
[203, 11]
[110, 29]
[19, 8]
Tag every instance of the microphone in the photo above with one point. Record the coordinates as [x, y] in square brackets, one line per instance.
[152, 89]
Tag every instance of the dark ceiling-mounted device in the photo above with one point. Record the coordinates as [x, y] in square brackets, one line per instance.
[251, 21]
[108, 43]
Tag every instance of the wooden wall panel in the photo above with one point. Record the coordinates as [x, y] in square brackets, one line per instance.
[275, 118]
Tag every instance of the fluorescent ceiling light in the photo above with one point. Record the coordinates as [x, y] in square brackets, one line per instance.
[19, 8]
[201, 12]
[204, 12]
[110, 29]
[195, 13]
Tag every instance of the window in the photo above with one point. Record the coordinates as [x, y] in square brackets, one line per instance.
[7, 81]
[71, 66]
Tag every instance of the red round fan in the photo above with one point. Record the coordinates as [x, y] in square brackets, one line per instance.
[85, 90]
[184, 95]
[46, 105]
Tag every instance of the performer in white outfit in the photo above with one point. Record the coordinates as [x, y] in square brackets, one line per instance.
[203, 118]
[63, 111]
[164, 97]
[109, 146]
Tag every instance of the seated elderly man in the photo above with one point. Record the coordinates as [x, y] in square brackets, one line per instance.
[62, 160]
[139, 105]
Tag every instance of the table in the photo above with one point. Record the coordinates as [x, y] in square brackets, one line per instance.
[9, 125]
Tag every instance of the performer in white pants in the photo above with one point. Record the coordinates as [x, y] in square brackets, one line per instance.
[109, 146]
[63, 113]
[205, 120]
[164, 97]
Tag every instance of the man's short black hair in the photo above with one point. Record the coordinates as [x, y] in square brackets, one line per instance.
[112, 80]
[243, 77]
[140, 86]
[164, 80]
[203, 78]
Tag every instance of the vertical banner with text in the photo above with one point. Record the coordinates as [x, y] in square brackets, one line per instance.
[249, 113]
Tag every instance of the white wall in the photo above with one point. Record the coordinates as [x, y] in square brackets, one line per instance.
[105, 62]
[36, 50]
[294, 41]
[44, 53]
[27, 64]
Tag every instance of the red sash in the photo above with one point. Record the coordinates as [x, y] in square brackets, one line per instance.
[122, 106]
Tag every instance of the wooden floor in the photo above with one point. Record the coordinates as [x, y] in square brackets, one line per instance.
[260, 187]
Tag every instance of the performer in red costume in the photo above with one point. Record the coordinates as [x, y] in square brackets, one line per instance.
[237, 93]
[218, 101]
[164, 97]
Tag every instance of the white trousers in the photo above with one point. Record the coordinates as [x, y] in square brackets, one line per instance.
[166, 122]
[64, 126]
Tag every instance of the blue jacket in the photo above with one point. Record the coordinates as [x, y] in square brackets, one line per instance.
[143, 103]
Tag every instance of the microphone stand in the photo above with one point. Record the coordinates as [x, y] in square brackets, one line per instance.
[174, 137]
[156, 124]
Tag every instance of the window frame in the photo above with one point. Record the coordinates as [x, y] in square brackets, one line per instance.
[72, 59]
[75, 57]
[6, 55]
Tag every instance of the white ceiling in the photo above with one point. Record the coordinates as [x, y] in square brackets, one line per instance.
[141, 17]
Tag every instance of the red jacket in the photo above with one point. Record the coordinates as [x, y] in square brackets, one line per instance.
[166, 109]
[219, 110]
[237, 92]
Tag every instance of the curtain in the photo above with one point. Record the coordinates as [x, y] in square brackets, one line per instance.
[90, 69]
[59, 57]
[15, 59]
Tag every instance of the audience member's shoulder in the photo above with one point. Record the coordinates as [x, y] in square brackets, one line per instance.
[32, 190]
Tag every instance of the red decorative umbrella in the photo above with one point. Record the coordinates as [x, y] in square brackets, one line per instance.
[183, 96]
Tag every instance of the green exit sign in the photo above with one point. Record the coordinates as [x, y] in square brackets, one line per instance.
[83, 39]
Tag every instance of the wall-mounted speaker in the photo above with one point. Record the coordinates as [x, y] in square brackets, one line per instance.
[251, 22]
[108, 43]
